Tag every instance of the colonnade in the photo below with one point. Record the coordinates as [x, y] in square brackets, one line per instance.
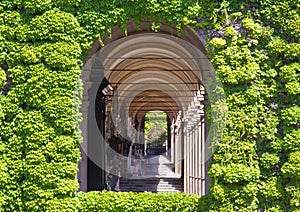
[194, 145]
[150, 71]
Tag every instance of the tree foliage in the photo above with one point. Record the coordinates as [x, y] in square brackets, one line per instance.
[155, 127]
[130, 201]
[254, 46]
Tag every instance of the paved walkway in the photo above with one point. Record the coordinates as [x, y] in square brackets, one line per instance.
[157, 165]
[156, 175]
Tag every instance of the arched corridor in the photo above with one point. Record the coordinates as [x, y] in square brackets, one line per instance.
[128, 77]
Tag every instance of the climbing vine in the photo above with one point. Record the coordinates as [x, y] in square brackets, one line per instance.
[253, 45]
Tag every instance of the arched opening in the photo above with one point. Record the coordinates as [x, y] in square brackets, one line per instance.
[146, 72]
[156, 133]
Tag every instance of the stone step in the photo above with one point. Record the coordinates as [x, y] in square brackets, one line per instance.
[151, 189]
[167, 166]
[153, 169]
[157, 168]
[145, 181]
[157, 184]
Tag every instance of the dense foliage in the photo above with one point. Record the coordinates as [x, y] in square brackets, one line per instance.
[155, 128]
[129, 201]
[254, 46]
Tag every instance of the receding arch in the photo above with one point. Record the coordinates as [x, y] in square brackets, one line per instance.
[143, 103]
[167, 66]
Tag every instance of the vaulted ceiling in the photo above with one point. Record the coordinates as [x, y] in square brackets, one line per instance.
[153, 71]
[148, 71]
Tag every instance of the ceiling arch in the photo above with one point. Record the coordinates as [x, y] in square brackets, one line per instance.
[164, 69]
[152, 100]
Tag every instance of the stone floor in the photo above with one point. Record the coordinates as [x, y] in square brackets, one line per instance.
[156, 175]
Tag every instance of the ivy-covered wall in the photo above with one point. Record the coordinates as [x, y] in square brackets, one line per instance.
[253, 45]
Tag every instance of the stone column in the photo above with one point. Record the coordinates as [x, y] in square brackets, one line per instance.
[92, 165]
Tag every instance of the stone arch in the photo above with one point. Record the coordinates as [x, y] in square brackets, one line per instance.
[180, 69]
[189, 35]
